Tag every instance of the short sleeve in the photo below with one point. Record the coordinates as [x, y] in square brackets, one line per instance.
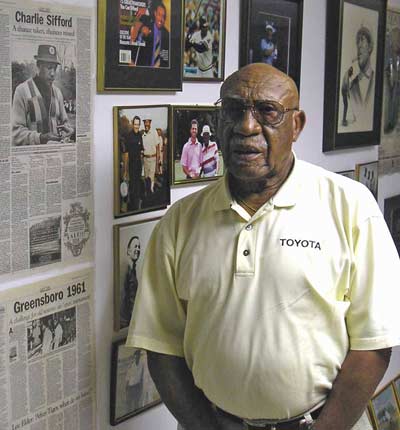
[159, 316]
[373, 318]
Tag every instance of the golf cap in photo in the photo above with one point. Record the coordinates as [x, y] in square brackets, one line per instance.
[206, 129]
[203, 21]
[47, 53]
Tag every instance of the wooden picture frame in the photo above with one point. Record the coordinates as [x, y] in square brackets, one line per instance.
[132, 389]
[139, 48]
[141, 166]
[384, 409]
[353, 73]
[275, 28]
[391, 212]
[130, 242]
[204, 165]
[367, 174]
[204, 40]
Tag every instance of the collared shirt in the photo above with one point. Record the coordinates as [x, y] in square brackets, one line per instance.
[210, 159]
[150, 142]
[192, 156]
[265, 308]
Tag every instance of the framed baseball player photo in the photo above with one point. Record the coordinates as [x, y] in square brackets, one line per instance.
[271, 33]
[196, 151]
[391, 213]
[141, 154]
[139, 45]
[367, 174]
[130, 243]
[132, 389]
[353, 73]
[384, 409]
[204, 40]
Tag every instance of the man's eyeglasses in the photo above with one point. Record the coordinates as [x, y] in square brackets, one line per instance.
[266, 112]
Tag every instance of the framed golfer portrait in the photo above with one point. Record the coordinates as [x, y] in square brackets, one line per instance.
[367, 174]
[392, 217]
[196, 151]
[271, 32]
[353, 73]
[141, 154]
[139, 45]
[204, 40]
[130, 243]
[384, 409]
[132, 389]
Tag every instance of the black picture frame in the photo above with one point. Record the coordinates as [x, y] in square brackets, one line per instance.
[126, 45]
[181, 118]
[286, 19]
[209, 65]
[391, 211]
[353, 73]
[138, 188]
[127, 399]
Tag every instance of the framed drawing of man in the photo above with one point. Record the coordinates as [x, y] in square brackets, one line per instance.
[353, 73]
[271, 33]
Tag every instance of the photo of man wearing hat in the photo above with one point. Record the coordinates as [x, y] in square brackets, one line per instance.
[38, 113]
[210, 156]
[269, 50]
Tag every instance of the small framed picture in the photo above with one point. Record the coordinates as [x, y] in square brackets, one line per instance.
[139, 45]
[271, 33]
[196, 150]
[348, 173]
[132, 389]
[130, 242]
[353, 76]
[367, 174]
[141, 154]
[204, 50]
[392, 216]
[396, 384]
[385, 410]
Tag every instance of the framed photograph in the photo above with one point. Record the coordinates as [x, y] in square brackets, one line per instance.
[353, 73]
[385, 410]
[367, 174]
[139, 45]
[391, 212]
[196, 152]
[141, 154]
[204, 50]
[130, 242]
[396, 384]
[348, 173]
[271, 33]
[132, 389]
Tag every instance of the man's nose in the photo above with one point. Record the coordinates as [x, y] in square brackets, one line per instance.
[247, 125]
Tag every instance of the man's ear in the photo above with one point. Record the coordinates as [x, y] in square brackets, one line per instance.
[299, 121]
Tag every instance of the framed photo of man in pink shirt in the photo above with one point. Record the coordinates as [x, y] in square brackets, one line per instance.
[196, 152]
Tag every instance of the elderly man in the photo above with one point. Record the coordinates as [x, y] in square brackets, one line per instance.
[272, 303]
[38, 112]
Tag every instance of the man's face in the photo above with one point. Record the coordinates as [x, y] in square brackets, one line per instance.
[254, 152]
[363, 51]
[134, 250]
[206, 138]
[269, 34]
[47, 72]
[147, 125]
[159, 17]
[136, 125]
[193, 131]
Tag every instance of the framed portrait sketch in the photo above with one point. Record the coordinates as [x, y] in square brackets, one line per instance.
[385, 410]
[367, 174]
[204, 46]
[132, 389]
[271, 33]
[196, 152]
[141, 154]
[353, 73]
[130, 242]
[139, 45]
[391, 212]
[348, 173]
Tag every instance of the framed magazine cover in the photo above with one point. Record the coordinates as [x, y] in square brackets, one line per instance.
[204, 46]
[132, 389]
[139, 45]
[353, 73]
[141, 155]
[271, 33]
[196, 153]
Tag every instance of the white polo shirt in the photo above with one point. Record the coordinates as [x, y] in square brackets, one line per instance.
[265, 308]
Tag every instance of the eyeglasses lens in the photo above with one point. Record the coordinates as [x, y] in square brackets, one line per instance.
[267, 113]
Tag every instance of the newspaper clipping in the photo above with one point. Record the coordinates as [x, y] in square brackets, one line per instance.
[47, 369]
[46, 213]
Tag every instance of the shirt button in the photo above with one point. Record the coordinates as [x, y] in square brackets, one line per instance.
[246, 252]
[249, 227]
